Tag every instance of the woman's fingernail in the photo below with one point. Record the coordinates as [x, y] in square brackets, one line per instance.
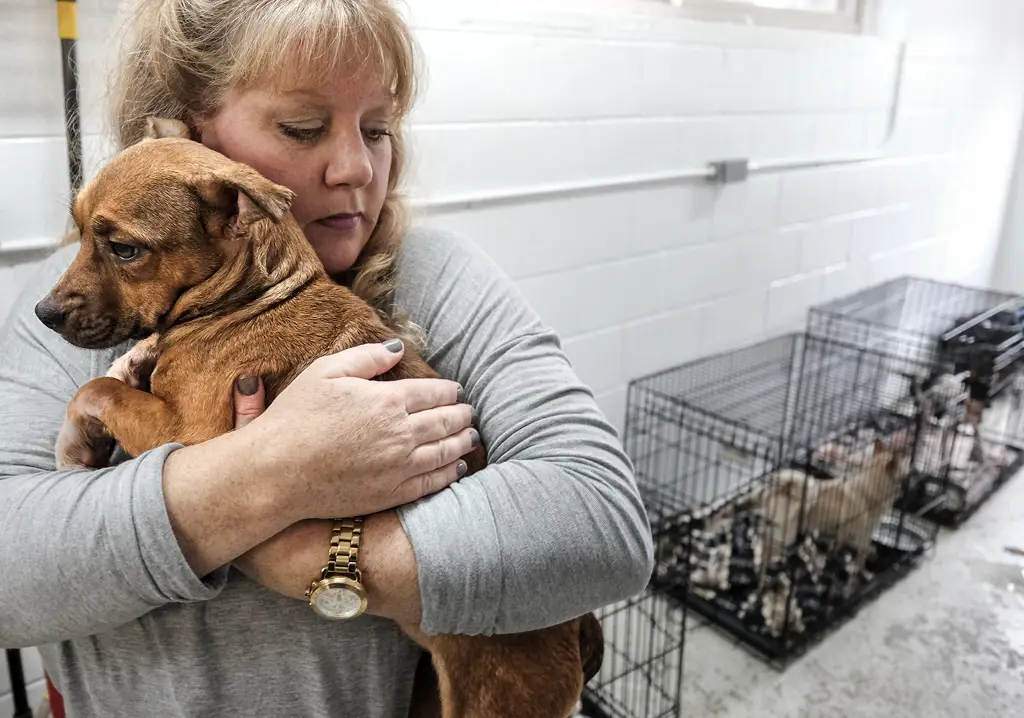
[460, 397]
[393, 345]
[247, 385]
[474, 439]
[461, 468]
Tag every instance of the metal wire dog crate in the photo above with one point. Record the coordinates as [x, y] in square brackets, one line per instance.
[973, 341]
[776, 479]
[642, 671]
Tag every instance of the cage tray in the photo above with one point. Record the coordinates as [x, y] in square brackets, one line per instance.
[953, 499]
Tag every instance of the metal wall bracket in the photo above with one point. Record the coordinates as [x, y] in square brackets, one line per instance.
[728, 171]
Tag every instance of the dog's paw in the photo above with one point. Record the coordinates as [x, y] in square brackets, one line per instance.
[135, 366]
[83, 441]
[82, 446]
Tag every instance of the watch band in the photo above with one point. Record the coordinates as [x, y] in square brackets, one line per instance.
[343, 556]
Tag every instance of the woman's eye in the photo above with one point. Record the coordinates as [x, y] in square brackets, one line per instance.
[124, 252]
[375, 135]
[302, 134]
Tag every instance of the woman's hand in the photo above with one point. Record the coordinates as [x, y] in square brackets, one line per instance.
[287, 562]
[339, 445]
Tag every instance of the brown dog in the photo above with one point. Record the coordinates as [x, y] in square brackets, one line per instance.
[218, 269]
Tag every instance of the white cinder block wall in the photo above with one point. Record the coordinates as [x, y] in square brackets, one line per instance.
[1009, 268]
[530, 97]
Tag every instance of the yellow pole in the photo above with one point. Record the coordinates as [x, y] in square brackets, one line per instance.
[67, 28]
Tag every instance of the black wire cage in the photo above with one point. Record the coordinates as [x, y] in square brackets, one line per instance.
[642, 671]
[973, 341]
[776, 478]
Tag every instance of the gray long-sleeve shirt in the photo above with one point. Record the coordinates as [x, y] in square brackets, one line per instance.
[90, 569]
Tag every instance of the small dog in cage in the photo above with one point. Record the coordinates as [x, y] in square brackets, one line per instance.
[853, 507]
[848, 507]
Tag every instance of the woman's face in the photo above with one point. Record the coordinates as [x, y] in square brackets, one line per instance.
[331, 145]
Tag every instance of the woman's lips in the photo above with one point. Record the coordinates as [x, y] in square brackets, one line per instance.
[342, 222]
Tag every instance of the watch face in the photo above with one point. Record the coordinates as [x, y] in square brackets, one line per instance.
[339, 601]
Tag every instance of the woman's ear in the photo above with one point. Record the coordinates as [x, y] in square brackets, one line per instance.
[160, 127]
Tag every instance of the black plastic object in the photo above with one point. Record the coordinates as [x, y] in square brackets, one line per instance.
[19, 691]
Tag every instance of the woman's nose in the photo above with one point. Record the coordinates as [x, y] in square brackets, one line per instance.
[349, 163]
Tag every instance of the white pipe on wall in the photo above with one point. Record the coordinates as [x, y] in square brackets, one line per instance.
[471, 200]
[813, 162]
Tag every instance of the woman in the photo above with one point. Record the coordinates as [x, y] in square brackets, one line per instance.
[173, 583]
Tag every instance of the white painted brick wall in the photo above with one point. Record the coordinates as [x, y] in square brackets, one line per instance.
[750, 206]
[641, 278]
[1009, 268]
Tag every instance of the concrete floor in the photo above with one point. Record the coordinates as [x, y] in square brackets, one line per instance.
[947, 641]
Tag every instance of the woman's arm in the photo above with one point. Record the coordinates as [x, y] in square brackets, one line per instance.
[288, 562]
[554, 526]
[80, 551]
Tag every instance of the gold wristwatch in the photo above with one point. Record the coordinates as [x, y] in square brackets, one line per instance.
[339, 593]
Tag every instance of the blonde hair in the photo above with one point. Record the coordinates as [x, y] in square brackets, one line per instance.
[182, 57]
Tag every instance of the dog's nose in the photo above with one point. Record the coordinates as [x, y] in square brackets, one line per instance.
[51, 314]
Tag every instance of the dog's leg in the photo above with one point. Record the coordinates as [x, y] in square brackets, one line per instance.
[83, 440]
[136, 365]
[106, 409]
[537, 674]
[426, 699]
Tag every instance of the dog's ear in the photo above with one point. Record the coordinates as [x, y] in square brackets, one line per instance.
[245, 196]
[160, 127]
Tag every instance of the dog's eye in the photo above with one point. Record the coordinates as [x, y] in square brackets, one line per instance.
[124, 252]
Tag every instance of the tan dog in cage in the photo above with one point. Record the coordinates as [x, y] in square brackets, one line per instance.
[848, 507]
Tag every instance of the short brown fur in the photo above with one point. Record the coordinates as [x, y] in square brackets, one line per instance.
[230, 287]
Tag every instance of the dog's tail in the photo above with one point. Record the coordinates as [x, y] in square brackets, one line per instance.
[591, 646]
